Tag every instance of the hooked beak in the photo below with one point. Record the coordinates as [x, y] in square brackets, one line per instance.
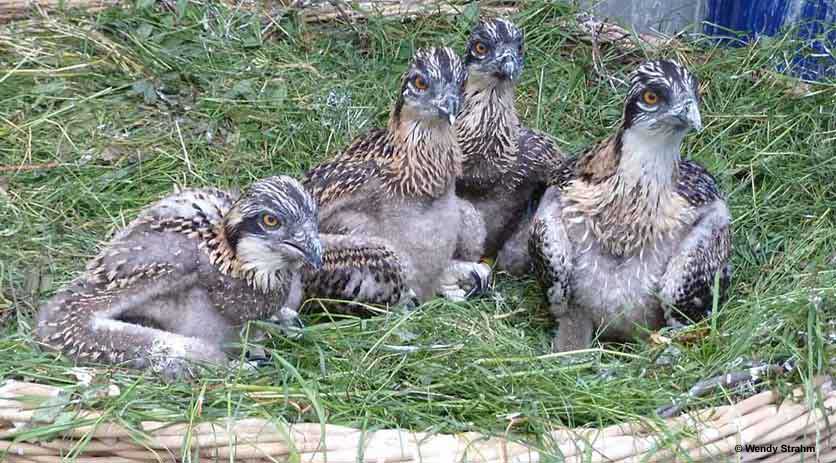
[309, 247]
[689, 116]
[509, 67]
[448, 108]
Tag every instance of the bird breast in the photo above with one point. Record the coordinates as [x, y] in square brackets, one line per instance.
[619, 292]
[425, 234]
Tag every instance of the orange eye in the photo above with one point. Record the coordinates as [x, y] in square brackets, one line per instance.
[269, 220]
[650, 97]
[420, 83]
[480, 48]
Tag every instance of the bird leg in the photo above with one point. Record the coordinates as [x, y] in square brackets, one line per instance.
[288, 322]
[465, 276]
[551, 253]
[84, 322]
[513, 257]
[287, 318]
[462, 280]
[574, 332]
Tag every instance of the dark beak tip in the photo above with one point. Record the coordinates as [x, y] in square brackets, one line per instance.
[315, 261]
[449, 108]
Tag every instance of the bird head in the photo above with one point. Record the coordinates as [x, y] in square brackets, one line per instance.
[663, 98]
[495, 50]
[274, 226]
[432, 86]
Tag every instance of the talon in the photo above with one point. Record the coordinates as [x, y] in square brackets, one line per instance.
[453, 293]
[257, 357]
[256, 353]
[478, 288]
[289, 323]
[410, 305]
[408, 301]
[481, 279]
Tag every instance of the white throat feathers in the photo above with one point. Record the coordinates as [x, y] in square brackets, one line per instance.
[649, 162]
[637, 204]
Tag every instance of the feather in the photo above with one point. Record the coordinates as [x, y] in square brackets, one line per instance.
[172, 283]
[387, 200]
[506, 165]
[647, 231]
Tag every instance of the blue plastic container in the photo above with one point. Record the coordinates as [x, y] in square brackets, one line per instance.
[815, 21]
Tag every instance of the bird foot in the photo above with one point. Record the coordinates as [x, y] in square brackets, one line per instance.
[288, 322]
[175, 359]
[463, 280]
[247, 364]
[408, 302]
[257, 356]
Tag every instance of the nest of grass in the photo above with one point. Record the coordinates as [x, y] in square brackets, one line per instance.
[312, 11]
[784, 429]
[102, 114]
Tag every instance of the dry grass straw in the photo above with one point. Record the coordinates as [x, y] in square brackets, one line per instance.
[10, 9]
[702, 435]
[317, 11]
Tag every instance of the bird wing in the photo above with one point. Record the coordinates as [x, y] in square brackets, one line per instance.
[355, 168]
[688, 281]
[331, 181]
[539, 156]
[371, 145]
[164, 238]
[357, 268]
[551, 250]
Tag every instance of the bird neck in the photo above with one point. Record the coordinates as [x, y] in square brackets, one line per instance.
[628, 193]
[488, 126]
[649, 161]
[424, 157]
[233, 258]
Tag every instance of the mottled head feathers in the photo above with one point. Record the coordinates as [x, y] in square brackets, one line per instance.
[630, 180]
[663, 95]
[282, 195]
[495, 48]
[432, 86]
[274, 226]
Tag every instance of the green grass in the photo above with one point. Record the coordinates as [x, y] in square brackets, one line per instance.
[127, 104]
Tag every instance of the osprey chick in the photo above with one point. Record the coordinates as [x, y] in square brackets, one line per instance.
[177, 282]
[630, 236]
[506, 165]
[389, 213]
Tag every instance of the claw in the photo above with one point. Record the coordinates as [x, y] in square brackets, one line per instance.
[478, 287]
[288, 322]
[257, 357]
[453, 293]
[481, 281]
[408, 301]
[465, 279]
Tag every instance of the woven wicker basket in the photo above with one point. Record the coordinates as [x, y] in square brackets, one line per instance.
[703, 435]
